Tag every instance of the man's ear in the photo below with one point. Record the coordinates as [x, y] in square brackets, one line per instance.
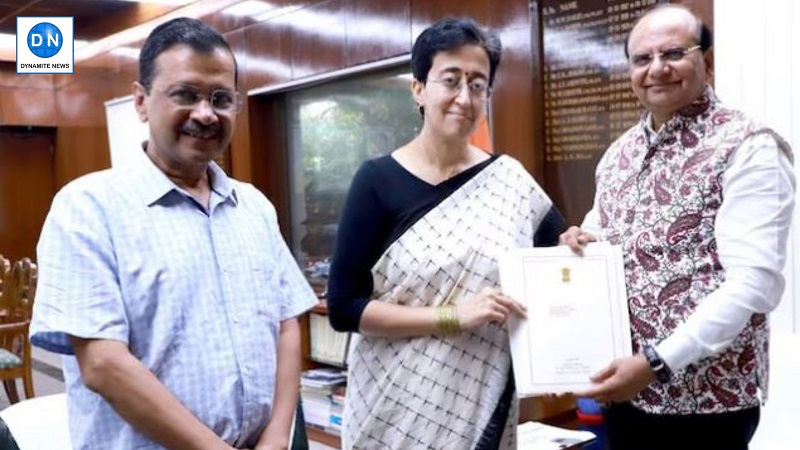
[708, 59]
[139, 94]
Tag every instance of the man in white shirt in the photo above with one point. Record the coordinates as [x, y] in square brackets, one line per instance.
[167, 285]
[700, 198]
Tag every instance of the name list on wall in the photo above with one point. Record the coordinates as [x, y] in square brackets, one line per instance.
[588, 98]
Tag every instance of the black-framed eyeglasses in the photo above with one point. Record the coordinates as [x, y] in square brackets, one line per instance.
[477, 87]
[222, 101]
[676, 54]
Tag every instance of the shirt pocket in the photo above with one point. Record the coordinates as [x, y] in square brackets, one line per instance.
[260, 292]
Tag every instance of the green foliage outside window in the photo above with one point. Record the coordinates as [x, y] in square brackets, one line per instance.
[333, 129]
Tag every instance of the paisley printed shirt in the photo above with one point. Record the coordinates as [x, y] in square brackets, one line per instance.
[702, 209]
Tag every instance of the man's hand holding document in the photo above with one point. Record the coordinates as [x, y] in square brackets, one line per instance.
[577, 317]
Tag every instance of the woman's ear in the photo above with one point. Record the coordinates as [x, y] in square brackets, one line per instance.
[417, 91]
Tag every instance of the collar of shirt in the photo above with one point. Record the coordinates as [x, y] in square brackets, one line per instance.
[647, 126]
[156, 185]
[689, 112]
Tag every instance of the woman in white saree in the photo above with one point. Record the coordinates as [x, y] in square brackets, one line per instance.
[415, 266]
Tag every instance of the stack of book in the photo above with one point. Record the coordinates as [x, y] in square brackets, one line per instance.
[327, 345]
[322, 391]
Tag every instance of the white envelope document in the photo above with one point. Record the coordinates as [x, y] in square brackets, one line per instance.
[577, 315]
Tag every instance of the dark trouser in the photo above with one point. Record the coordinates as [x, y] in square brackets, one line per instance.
[299, 438]
[7, 441]
[629, 428]
[493, 433]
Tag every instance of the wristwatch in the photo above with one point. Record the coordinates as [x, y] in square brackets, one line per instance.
[663, 374]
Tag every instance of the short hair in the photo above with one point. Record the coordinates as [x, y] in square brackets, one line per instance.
[705, 38]
[192, 33]
[450, 34]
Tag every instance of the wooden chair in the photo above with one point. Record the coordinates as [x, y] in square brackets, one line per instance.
[5, 270]
[5, 278]
[16, 303]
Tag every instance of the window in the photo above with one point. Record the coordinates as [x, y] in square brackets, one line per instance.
[333, 128]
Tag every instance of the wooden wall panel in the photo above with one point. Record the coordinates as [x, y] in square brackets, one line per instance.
[240, 147]
[508, 14]
[376, 30]
[318, 38]
[124, 18]
[236, 40]
[28, 106]
[268, 54]
[80, 150]
[122, 85]
[537, 93]
[82, 141]
[82, 103]
[26, 99]
[224, 22]
[10, 78]
[268, 154]
[512, 99]
[425, 12]
[241, 150]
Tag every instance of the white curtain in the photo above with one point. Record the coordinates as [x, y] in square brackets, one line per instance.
[757, 69]
[125, 131]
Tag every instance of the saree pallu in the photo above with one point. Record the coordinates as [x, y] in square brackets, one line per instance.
[439, 392]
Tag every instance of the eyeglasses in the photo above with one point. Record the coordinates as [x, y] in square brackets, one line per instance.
[477, 87]
[676, 54]
[222, 101]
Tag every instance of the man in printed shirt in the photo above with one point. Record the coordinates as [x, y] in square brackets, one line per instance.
[700, 198]
[168, 285]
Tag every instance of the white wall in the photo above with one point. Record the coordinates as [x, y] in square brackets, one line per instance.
[757, 69]
[125, 131]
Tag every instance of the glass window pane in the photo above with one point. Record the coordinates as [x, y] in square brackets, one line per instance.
[333, 128]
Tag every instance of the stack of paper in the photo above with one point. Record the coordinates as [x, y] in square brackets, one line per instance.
[538, 436]
[577, 315]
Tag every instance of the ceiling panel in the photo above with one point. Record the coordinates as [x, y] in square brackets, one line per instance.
[93, 19]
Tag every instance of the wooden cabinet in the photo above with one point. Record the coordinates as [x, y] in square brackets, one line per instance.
[331, 440]
[27, 187]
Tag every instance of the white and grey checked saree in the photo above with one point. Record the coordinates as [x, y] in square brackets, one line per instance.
[440, 392]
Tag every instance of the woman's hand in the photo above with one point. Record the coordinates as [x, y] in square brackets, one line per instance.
[576, 239]
[488, 305]
[269, 446]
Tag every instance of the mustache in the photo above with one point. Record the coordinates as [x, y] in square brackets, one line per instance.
[194, 127]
